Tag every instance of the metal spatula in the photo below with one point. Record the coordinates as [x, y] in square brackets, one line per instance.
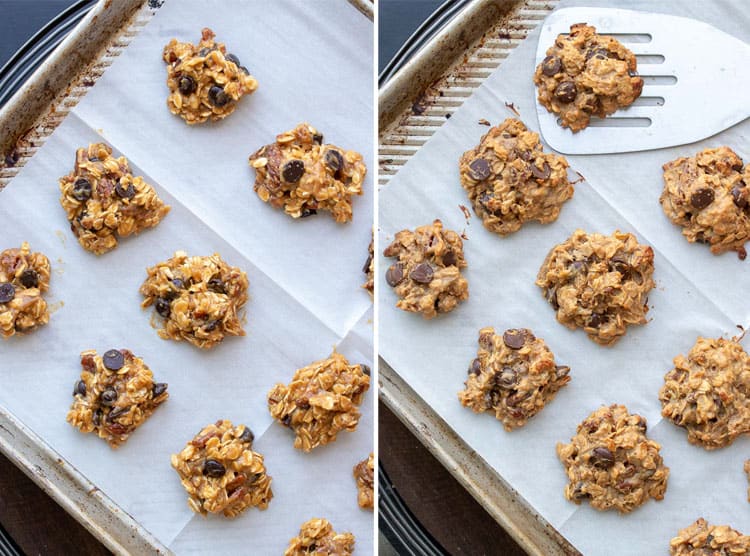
[696, 82]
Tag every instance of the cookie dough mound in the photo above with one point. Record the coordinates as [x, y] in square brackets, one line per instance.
[612, 463]
[708, 197]
[221, 473]
[104, 201]
[204, 81]
[24, 277]
[510, 180]
[599, 283]
[364, 473]
[427, 275]
[586, 75]
[115, 395]
[702, 539]
[198, 298]
[708, 392]
[321, 400]
[318, 537]
[514, 375]
[302, 175]
[369, 270]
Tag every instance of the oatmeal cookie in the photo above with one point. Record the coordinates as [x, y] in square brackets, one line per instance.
[221, 473]
[198, 298]
[599, 283]
[708, 392]
[427, 275]
[115, 395]
[104, 201]
[708, 197]
[702, 539]
[612, 463]
[510, 180]
[302, 175]
[318, 537]
[24, 277]
[364, 473]
[321, 400]
[586, 75]
[369, 270]
[204, 81]
[513, 375]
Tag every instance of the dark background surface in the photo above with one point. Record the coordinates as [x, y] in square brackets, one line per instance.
[398, 20]
[20, 19]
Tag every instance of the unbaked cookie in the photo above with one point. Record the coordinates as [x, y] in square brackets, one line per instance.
[364, 473]
[204, 81]
[599, 283]
[511, 180]
[427, 275]
[611, 462]
[198, 298]
[707, 195]
[514, 375]
[702, 539]
[221, 473]
[318, 537]
[104, 201]
[708, 392]
[586, 75]
[24, 277]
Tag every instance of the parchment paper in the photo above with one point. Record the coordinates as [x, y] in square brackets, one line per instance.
[696, 294]
[314, 63]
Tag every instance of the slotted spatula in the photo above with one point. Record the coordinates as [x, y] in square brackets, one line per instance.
[696, 82]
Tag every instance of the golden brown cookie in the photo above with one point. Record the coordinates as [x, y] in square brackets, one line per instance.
[24, 277]
[318, 537]
[702, 539]
[364, 473]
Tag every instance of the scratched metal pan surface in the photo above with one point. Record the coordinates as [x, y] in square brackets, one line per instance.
[413, 104]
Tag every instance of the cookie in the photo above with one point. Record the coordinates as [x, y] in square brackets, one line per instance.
[611, 462]
[24, 278]
[514, 375]
[198, 298]
[364, 473]
[708, 392]
[586, 75]
[702, 539]
[221, 473]
[115, 395]
[104, 202]
[205, 82]
[511, 180]
[322, 400]
[427, 275]
[599, 283]
[706, 195]
[318, 537]
[369, 270]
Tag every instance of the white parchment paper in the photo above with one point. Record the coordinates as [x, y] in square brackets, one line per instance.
[696, 294]
[313, 62]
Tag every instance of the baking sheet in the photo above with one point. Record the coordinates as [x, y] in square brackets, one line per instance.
[294, 272]
[696, 294]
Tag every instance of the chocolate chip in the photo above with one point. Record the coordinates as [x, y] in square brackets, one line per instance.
[422, 273]
[596, 320]
[566, 92]
[507, 378]
[97, 417]
[365, 369]
[286, 420]
[79, 388]
[551, 65]
[603, 457]
[366, 266]
[116, 412]
[82, 190]
[113, 360]
[217, 96]
[204, 51]
[216, 285]
[213, 469]
[514, 339]
[30, 278]
[293, 170]
[475, 367]
[702, 198]
[108, 397]
[187, 85]
[334, 160]
[450, 259]
[162, 307]
[125, 192]
[318, 138]
[739, 198]
[211, 325]
[307, 212]
[576, 266]
[159, 389]
[561, 371]
[601, 53]
[479, 169]
[244, 70]
[541, 173]
[232, 58]
[247, 435]
[394, 275]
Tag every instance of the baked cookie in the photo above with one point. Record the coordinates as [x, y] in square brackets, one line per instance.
[510, 180]
[115, 395]
[586, 75]
[364, 473]
[702, 539]
[708, 392]
[104, 201]
[221, 473]
[302, 175]
[708, 197]
[198, 298]
[612, 463]
[599, 283]
[514, 375]
[318, 537]
[321, 400]
[369, 270]
[427, 275]
[204, 81]
[24, 277]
